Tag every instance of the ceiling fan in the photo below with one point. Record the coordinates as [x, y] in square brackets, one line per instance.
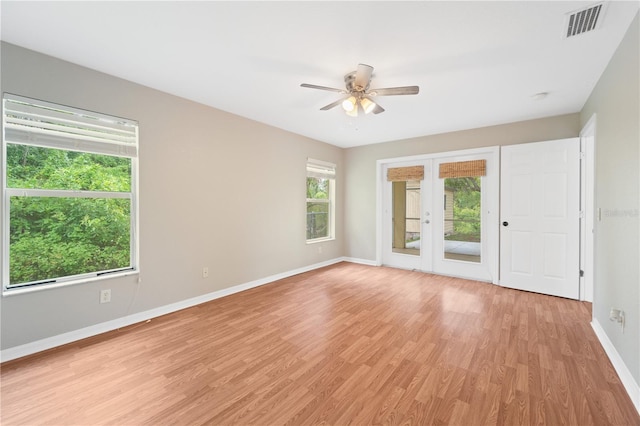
[358, 94]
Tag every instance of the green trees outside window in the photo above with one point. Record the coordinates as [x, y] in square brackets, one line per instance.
[466, 208]
[318, 208]
[52, 235]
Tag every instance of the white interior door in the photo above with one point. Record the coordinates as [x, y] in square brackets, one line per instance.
[540, 217]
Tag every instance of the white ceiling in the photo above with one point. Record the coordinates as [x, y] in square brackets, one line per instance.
[477, 63]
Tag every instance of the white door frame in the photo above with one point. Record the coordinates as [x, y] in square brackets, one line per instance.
[492, 228]
[587, 207]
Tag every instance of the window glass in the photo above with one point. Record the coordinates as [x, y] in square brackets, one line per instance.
[47, 168]
[406, 217]
[318, 208]
[57, 237]
[462, 219]
[320, 200]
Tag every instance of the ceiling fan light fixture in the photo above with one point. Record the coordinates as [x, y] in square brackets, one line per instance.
[349, 104]
[367, 105]
[358, 95]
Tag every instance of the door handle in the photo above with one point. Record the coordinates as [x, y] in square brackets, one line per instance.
[427, 221]
[505, 223]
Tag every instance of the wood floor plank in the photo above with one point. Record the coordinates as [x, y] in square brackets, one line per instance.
[345, 344]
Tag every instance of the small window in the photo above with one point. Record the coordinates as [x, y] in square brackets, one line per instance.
[70, 194]
[320, 200]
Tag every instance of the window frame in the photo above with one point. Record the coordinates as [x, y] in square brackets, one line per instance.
[74, 142]
[322, 170]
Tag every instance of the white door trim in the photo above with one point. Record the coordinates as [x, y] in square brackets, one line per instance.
[587, 206]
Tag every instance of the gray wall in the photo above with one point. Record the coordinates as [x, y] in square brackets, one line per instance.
[617, 279]
[360, 166]
[216, 190]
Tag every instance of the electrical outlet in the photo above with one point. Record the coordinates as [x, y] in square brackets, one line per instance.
[205, 272]
[617, 315]
[105, 296]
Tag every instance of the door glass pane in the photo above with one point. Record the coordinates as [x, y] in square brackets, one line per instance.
[406, 217]
[462, 224]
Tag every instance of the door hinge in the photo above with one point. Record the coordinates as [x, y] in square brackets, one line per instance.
[581, 273]
[581, 214]
[581, 155]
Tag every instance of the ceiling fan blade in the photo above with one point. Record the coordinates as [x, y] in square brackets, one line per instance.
[331, 105]
[363, 76]
[330, 89]
[393, 91]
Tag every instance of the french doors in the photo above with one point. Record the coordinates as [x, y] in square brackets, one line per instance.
[446, 224]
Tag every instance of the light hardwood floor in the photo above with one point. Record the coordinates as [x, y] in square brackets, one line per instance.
[344, 344]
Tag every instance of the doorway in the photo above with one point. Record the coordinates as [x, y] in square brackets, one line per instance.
[439, 213]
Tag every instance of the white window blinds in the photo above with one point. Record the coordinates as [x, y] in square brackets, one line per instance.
[38, 123]
[320, 169]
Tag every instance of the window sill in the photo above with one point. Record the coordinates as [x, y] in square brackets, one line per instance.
[320, 240]
[31, 289]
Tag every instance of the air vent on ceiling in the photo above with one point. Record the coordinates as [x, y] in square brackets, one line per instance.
[583, 20]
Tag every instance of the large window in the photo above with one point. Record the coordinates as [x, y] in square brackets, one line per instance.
[320, 200]
[69, 194]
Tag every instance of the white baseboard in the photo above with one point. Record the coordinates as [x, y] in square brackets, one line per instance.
[83, 333]
[360, 261]
[619, 365]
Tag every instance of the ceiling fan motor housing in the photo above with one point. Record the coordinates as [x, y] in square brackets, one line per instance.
[350, 80]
